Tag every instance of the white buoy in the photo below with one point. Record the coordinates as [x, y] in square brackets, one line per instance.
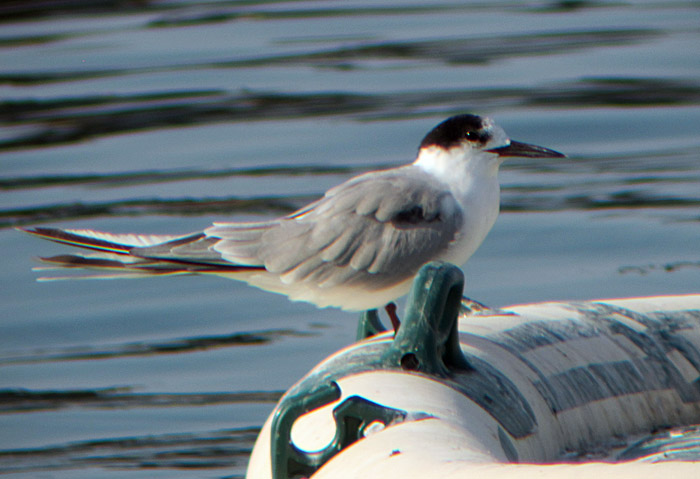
[517, 392]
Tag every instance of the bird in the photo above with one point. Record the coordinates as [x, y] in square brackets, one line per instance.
[356, 248]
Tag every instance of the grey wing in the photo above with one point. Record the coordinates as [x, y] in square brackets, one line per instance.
[377, 229]
[201, 248]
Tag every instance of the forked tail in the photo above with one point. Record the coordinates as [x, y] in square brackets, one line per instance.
[128, 255]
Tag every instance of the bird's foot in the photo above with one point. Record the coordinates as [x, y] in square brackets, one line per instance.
[469, 306]
[473, 306]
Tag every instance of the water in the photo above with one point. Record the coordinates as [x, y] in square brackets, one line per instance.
[165, 116]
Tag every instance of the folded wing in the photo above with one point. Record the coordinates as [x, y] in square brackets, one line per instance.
[372, 230]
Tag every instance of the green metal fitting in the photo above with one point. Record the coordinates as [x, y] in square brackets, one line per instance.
[428, 340]
[352, 417]
[427, 343]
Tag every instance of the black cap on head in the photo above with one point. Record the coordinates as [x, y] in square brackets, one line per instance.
[455, 130]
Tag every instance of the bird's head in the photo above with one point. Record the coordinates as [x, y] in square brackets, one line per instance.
[468, 138]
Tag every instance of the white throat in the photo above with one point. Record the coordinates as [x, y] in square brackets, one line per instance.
[472, 177]
[458, 167]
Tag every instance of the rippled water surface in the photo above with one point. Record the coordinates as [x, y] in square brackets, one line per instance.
[163, 116]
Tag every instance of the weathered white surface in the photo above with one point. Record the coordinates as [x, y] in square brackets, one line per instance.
[417, 395]
[423, 466]
[580, 375]
[594, 370]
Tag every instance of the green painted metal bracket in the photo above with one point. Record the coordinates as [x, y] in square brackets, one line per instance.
[428, 339]
[427, 342]
[369, 325]
[352, 417]
[288, 461]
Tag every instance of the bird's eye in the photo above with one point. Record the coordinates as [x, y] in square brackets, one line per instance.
[471, 136]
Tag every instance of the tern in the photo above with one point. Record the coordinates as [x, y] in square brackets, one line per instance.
[357, 248]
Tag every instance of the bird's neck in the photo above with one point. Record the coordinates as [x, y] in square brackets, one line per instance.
[464, 172]
[473, 181]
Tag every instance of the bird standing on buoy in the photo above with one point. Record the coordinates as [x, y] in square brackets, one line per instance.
[357, 248]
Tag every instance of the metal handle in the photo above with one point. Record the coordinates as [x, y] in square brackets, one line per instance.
[352, 416]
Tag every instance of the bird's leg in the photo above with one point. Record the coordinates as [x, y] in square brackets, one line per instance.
[390, 309]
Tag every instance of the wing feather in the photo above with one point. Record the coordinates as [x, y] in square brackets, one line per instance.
[370, 234]
[374, 228]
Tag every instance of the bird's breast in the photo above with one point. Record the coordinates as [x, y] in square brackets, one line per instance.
[479, 205]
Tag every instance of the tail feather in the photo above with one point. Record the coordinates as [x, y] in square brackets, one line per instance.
[121, 256]
[98, 240]
[107, 266]
[78, 261]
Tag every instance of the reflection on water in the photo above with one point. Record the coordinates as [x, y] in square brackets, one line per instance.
[220, 450]
[27, 401]
[155, 206]
[166, 116]
[175, 346]
[68, 120]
